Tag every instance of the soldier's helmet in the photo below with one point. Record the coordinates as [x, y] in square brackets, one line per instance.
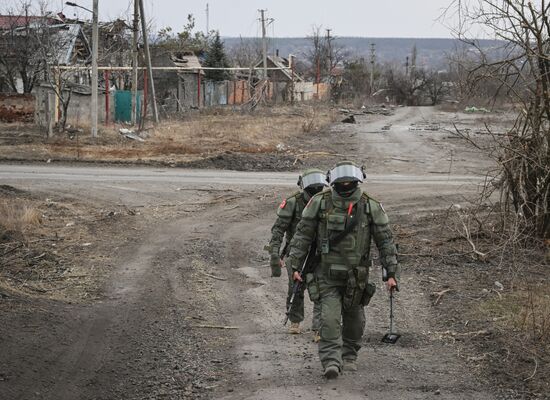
[346, 171]
[312, 179]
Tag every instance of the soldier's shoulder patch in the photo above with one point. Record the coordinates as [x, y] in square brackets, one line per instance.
[283, 204]
[378, 213]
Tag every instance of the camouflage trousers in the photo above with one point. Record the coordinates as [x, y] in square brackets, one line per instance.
[341, 330]
[297, 312]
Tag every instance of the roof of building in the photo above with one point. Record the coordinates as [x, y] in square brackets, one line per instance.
[284, 65]
[65, 37]
[8, 22]
[187, 60]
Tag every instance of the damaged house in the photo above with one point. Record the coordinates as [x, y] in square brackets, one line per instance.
[177, 90]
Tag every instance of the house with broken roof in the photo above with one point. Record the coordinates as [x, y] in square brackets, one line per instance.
[183, 85]
[177, 90]
[285, 84]
[282, 79]
[31, 46]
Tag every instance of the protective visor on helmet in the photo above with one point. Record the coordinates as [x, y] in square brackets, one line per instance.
[314, 178]
[348, 172]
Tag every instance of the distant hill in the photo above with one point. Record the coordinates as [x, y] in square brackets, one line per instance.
[431, 53]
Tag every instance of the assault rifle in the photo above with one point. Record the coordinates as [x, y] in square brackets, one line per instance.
[306, 267]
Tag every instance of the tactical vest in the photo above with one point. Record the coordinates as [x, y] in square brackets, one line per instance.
[353, 249]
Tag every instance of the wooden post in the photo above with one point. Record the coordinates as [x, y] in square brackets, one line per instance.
[242, 94]
[144, 98]
[318, 76]
[107, 90]
[148, 60]
[199, 89]
[291, 60]
[50, 111]
[57, 112]
[135, 32]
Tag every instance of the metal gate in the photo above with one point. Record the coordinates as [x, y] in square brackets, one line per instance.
[123, 106]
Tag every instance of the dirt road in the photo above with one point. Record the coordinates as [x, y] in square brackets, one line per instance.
[196, 265]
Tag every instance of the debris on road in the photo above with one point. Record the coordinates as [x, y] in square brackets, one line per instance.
[379, 110]
[215, 327]
[212, 276]
[127, 133]
[349, 120]
[424, 127]
[474, 109]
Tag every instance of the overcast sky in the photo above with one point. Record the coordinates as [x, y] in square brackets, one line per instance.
[373, 18]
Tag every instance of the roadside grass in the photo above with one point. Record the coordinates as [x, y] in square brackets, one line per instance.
[524, 310]
[495, 304]
[17, 218]
[194, 135]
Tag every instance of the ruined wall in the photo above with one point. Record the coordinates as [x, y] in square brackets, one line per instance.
[78, 113]
[17, 107]
[304, 91]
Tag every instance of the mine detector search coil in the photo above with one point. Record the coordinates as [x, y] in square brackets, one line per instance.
[391, 337]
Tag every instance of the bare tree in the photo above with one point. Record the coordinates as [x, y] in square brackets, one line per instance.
[19, 61]
[246, 53]
[324, 53]
[522, 71]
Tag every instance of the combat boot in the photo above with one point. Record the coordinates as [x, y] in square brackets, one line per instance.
[316, 337]
[350, 365]
[294, 328]
[331, 372]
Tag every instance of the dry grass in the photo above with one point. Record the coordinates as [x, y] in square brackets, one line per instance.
[18, 217]
[206, 133]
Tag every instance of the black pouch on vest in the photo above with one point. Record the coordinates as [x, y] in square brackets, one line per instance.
[356, 284]
[368, 293]
[312, 287]
[337, 272]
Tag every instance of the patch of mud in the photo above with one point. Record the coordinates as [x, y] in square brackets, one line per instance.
[7, 190]
[262, 162]
[245, 162]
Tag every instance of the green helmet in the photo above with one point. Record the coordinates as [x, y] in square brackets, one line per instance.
[346, 171]
[312, 177]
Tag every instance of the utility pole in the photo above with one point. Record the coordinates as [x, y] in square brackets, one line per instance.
[329, 55]
[407, 66]
[372, 62]
[135, 28]
[264, 43]
[207, 19]
[95, 35]
[148, 59]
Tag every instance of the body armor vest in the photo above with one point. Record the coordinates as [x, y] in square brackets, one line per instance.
[353, 249]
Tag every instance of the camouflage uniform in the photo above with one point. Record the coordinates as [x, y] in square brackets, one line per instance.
[340, 282]
[289, 214]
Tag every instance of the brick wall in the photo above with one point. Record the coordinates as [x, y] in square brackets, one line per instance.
[17, 107]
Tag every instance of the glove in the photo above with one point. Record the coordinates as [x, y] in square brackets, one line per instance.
[275, 264]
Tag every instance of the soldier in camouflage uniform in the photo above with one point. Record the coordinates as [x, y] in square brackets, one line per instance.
[343, 220]
[289, 214]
